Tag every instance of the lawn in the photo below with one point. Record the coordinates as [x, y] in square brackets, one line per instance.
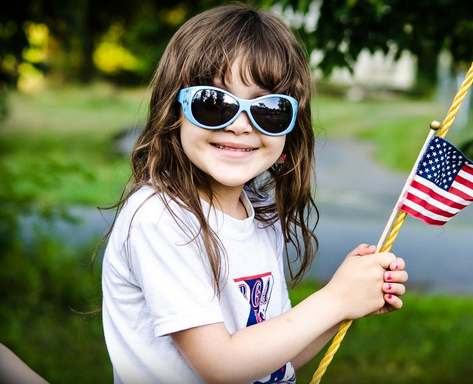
[59, 147]
[427, 342]
[398, 126]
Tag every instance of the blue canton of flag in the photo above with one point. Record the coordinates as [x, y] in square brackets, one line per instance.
[442, 186]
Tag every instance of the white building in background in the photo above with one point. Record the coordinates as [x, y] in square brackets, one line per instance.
[374, 71]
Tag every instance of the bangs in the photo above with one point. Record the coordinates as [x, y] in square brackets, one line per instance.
[270, 56]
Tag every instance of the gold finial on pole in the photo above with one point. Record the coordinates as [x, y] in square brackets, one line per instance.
[435, 125]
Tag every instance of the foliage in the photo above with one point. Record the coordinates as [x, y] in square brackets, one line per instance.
[78, 28]
[43, 282]
[134, 34]
[424, 28]
[61, 145]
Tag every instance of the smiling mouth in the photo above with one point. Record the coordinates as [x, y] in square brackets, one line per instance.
[234, 149]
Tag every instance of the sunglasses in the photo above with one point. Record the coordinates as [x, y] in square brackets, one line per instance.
[214, 108]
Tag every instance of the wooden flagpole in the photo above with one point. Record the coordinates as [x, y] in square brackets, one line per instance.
[397, 218]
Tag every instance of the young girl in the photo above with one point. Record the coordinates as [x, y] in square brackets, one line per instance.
[193, 277]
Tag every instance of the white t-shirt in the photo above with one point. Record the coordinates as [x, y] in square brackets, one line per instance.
[155, 282]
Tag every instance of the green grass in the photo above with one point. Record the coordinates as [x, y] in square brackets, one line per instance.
[58, 145]
[397, 126]
[427, 341]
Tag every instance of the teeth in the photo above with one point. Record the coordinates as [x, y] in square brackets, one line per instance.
[233, 149]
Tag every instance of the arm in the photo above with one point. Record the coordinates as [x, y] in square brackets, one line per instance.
[256, 351]
[356, 290]
[392, 287]
[14, 371]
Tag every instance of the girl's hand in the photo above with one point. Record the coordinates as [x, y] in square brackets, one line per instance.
[367, 283]
[393, 277]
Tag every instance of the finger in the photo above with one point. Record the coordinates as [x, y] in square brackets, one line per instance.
[395, 276]
[367, 250]
[386, 259]
[363, 249]
[394, 289]
[397, 265]
[393, 301]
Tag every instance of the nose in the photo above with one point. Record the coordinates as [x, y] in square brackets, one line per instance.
[241, 125]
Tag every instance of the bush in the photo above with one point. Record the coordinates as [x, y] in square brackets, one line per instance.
[45, 286]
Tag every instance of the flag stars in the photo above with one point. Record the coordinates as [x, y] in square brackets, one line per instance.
[441, 163]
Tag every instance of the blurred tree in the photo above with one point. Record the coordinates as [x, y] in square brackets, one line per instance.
[423, 27]
[133, 33]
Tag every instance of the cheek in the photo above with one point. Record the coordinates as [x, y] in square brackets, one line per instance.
[276, 144]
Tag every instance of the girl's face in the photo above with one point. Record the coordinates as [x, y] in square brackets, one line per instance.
[233, 155]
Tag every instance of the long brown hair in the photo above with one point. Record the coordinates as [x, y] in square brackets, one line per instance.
[203, 50]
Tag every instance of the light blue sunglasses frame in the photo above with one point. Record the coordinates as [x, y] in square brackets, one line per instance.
[186, 95]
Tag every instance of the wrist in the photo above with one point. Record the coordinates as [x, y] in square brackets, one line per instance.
[333, 304]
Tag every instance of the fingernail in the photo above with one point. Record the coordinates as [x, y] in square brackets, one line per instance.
[388, 287]
[390, 296]
[389, 276]
[396, 267]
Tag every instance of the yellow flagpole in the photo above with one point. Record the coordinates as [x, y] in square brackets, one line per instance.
[399, 218]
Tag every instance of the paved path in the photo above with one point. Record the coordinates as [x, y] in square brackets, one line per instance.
[356, 197]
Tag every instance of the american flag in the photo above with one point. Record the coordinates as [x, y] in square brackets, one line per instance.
[442, 186]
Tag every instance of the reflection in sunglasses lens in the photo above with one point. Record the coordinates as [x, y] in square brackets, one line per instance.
[273, 114]
[213, 108]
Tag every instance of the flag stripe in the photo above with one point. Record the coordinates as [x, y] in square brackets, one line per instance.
[431, 204]
[436, 199]
[468, 169]
[416, 213]
[464, 179]
[430, 189]
[462, 192]
[425, 212]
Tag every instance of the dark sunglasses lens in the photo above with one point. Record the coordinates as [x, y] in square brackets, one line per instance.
[213, 108]
[273, 114]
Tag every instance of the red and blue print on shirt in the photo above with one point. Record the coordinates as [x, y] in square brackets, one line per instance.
[257, 291]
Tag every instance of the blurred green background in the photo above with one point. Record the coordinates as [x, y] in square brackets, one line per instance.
[73, 88]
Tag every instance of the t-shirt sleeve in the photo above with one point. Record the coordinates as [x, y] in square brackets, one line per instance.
[171, 273]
